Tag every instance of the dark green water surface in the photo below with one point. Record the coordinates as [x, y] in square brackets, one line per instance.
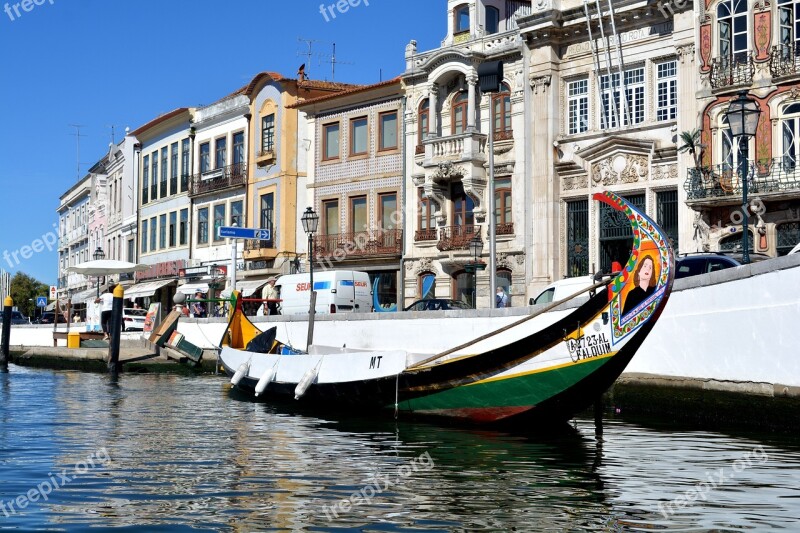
[165, 453]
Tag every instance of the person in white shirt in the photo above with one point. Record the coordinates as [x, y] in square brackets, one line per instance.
[106, 302]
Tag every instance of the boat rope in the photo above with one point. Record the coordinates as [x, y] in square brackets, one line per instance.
[621, 65]
[509, 326]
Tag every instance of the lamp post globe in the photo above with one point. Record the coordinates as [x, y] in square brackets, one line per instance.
[743, 115]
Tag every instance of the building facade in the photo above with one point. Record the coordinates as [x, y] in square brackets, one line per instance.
[752, 46]
[74, 239]
[355, 183]
[447, 124]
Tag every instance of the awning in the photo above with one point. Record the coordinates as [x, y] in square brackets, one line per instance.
[84, 296]
[190, 288]
[146, 288]
[247, 288]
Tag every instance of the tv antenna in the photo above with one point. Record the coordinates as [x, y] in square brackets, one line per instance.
[310, 53]
[333, 61]
[78, 136]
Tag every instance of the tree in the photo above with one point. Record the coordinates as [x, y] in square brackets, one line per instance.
[24, 290]
[690, 142]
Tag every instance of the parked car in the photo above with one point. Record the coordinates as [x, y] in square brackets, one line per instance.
[133, 319]
[18, 318]
[795, 250]
[437, 304]
[695, 264]
[560, 289]
[48, 318]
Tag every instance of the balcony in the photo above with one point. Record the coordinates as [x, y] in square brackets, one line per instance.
[361, 245]
[721, 184]
[506, 228]
[218, 179]
[259, 250]
[455, 148]
[784, 60]
[456, 237]
[732, 72]
[426, 234]
[265, 157]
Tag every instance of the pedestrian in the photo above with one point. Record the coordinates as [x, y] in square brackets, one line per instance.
[106, 302]
[501, 299]
[270, 294]
[198, 309]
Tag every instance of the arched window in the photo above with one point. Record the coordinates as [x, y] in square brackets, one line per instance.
[464, 287]
[788, 236]
[461, 22]
[733, 243]
[459, 109]
[732, 24]
[733, 150]
[492, 20]
[426, 288]
[790, 135]
[501, 112]
[424, 115]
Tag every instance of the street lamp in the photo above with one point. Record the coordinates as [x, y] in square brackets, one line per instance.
[98, 255]
[743, 114]
[476, 250]
[310, 222]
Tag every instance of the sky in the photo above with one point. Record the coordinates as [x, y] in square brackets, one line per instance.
[120, 63]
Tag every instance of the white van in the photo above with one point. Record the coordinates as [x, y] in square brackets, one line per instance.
[561, 289]
[338, 291]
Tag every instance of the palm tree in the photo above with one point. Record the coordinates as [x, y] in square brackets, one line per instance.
[690, 142]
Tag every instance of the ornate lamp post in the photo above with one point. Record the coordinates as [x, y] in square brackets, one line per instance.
[743, 114]
[310, 222]
[98, 255]
[476, 250]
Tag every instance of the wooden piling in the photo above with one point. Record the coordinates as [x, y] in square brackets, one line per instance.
[5, 354]
[114, 366]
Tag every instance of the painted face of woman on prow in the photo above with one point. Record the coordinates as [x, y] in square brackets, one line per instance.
[646, 273]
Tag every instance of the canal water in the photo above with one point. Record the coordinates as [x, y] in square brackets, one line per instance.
[169, 453]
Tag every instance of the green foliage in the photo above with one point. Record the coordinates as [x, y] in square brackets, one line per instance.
[24, 290]
[690, 142]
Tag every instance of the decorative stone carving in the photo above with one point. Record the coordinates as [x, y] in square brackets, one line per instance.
[685, 51]
[613, 169]
[424, 265]
[520, 259]
[701, 232]
[574, 182]
[504, 261]
[541, 5]
[540, 83]
[447, 172]
[665, 172]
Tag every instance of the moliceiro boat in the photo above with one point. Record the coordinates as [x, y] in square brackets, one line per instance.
[543, 369]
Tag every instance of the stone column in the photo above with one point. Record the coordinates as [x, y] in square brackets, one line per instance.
[472, 82]
[433, 111]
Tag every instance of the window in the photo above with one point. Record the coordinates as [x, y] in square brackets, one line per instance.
[790, 131]
[666, 91]
[358, 214]
[202, 225]
[185, 165]
[164, 169]
[220, 152]
[145, 178]
[502, 206]
[205, 157]
[173, 229]
[732, 24]
[358, 136]
[267, 206]
[184, 227]
[131, 251]
[577, 238]
[459, 112]
[154, 174]
[611, 90]
[789, 21]
[501, 110]
[144, 236]
[387, 204]
[238, 149]
[330, 140]
[162, 233]
[330, 217]
[578, 104]
[153, 233]
[788, 234]
[492, 20]
[425, 221]
[463, 207]
[268, 133]
[424, 118]
[464, 288]
[461, 14]
[219, 220]
[504, 280]
[388, 131]
[173, 175]
[732, 152]
[236, 214]
[427, 286]
[667, 215]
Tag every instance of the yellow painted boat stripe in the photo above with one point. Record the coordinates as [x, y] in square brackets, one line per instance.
[539, 370]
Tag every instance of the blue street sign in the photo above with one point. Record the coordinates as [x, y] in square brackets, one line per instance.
[232, 232]
[41, 301]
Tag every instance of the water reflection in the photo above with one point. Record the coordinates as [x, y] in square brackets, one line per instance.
[189, 452]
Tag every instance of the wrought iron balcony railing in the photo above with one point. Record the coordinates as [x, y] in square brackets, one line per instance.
[784, 60]
[258, 244]
[778, 175]
[387, 242]
[506, 228]
[429, 234]
[732, 71]
[218, 179]
[456, 237]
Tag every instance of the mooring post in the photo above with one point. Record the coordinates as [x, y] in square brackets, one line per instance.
[5, 353]
[598, 416]
[116, 329]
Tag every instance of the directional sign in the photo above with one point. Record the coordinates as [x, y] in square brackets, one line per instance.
[41, 301]
[233, 232]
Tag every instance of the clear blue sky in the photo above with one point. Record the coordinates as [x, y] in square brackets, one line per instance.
[122, 63]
